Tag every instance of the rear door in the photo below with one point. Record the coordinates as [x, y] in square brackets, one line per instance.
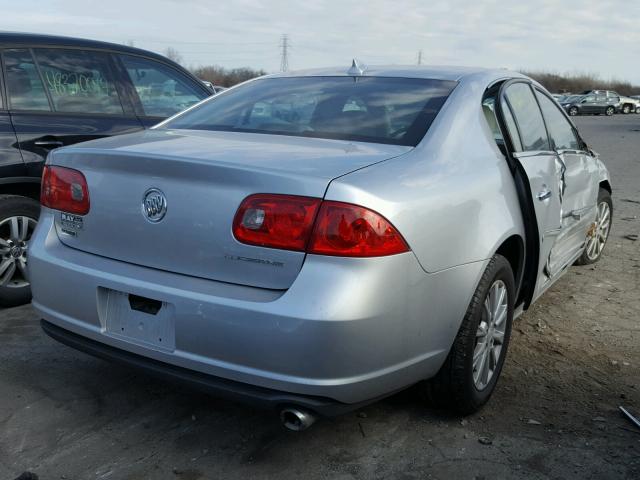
[580, 188]
[159, 90]
[62, 96]
[539, 165]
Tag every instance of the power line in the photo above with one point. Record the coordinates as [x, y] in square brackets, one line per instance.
[284, 55]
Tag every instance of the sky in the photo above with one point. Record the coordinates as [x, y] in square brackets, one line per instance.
[560, 36]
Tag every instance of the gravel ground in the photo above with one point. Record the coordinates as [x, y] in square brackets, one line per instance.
[573, 360]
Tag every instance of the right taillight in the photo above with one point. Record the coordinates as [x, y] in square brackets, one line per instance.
[64, 189]
[347, 230]
[320, 227]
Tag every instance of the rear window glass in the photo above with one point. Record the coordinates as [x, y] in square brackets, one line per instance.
[369, 109]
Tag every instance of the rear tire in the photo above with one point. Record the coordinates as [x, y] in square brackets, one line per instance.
[626, 109]
[573, 111]
[459, 385]
[17, 290]
[592, 252]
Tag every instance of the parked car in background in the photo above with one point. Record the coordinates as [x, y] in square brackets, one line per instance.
[591, 104]
[57, 91]
[621, 103]
[627, 105]
[313, 243]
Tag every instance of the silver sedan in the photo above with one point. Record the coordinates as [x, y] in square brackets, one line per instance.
[315, 241]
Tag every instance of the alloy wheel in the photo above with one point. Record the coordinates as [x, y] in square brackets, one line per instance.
[15, 233]
[490, 334]
[600, 232]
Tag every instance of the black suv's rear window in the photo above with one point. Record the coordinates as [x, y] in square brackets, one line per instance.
[369, 109]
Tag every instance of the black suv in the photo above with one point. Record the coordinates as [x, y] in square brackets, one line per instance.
[56, 91]
[590, 104]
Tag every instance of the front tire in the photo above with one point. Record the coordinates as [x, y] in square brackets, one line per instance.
[626, 109]
[599, 233]
[573, 111]
[18, 218]
[609, 111]
[471, 370]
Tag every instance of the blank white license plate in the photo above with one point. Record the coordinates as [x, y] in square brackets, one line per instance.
[138, 319]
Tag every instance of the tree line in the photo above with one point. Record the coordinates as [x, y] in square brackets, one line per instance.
[554, 82]
[226, 77]
[557, 83]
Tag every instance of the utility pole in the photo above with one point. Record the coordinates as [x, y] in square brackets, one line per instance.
[419, 57]
[284, 55]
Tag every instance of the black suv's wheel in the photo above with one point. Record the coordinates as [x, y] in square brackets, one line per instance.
[18, 218]
[573, 111]
[598, 233]
[470, 373]
[609, 111]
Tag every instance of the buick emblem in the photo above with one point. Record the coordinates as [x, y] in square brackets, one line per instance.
[154, 205]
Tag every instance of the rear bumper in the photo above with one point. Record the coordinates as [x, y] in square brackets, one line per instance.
[348, 330]
[220, 387]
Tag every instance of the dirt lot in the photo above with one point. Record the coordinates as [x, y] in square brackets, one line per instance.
[573, 359]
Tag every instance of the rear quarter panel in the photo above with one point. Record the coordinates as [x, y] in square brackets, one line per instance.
[453, 198]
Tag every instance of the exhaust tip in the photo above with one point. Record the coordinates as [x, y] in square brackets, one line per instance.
[296, 419]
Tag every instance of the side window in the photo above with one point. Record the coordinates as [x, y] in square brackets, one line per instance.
[601, 99]
[560, 130]
[162, 90]
[589, 99]
[24, 86]
[79, 81]
[528, 117]
[511, 126]
[488, 108]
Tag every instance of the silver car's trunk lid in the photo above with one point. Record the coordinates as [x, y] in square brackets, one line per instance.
[204, 177]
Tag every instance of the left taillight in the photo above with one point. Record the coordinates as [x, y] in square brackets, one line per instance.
[64, 189]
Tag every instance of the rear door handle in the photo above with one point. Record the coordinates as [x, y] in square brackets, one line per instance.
[544, 194]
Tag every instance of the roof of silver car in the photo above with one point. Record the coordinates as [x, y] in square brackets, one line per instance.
[444, 72]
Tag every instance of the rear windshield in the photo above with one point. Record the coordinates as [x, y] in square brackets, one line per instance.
[368, 109]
